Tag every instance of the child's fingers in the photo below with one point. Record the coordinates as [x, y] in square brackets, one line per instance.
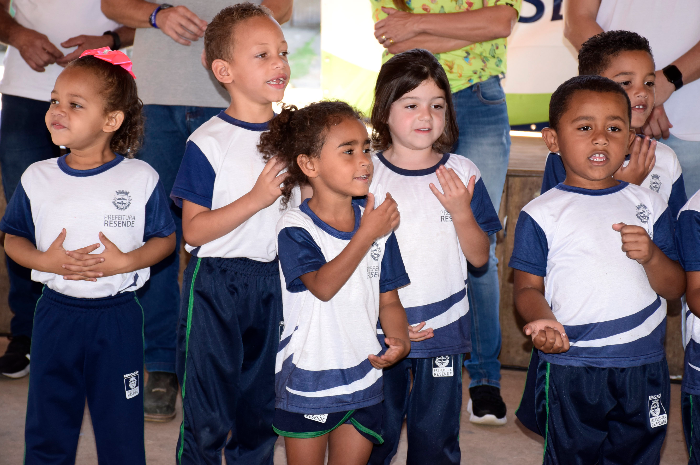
[369, 204]
[83, 257]
[417, 327]
[88, 249]
[76, 270]
[377, 362]
[470, 186]
[417, 336]
[81, 267]
[440, 196]
[58, 242]
[107, 243]
[618, 226]
[77, 277]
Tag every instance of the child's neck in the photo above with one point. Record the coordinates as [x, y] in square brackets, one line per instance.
[89, 158]
[334, 209]
[594, 185]
[412, 159]
[251, 112]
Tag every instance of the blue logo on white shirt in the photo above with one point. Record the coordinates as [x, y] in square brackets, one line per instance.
[122, 200]
[643, 213]
[655, 183]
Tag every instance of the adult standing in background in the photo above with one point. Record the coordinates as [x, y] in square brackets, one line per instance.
[178, 95]
[468, 38]
[672, 28]
[42, 39]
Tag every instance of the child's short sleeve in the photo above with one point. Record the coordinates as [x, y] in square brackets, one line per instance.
[159, 220]
[530, 248]
[688, 239]
[663, 235]
[393, 274]
[554, 172]
[483, 209]
[18, 219]
[678, 198]
[195, 178]
[298, 254]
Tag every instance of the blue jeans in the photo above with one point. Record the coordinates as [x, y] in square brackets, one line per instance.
[167, 130]
[484, 138]
[24, 139]
[688, 153]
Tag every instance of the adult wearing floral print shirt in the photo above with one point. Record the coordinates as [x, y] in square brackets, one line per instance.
[469, 40]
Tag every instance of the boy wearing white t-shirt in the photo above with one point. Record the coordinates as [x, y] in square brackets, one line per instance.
[591, 283]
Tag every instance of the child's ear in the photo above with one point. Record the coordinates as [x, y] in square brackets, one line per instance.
[222, 71]
[549, 136]
[114, 121]
[307, 165]
[633, 134]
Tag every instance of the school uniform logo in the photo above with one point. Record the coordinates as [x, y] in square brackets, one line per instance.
[131, 384]
[655, 183]
[657, 412]
[122, 200]
[375, 252]
[643, 215]
[318, 418]
[445, 216]
[443, 366]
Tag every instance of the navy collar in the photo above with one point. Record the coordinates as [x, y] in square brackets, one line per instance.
[325, 227]
[405, 172]
[91, 172]
[580, 190]
[242, 124]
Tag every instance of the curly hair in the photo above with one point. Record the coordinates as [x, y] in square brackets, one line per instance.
[301, 131]
[597, 52]
[561, 97]
[218, 38]
[119, 91]
[399, 75]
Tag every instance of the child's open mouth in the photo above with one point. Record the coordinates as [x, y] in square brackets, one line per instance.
[278, 82]
[639, 108]
[363, 178]
[598, 158]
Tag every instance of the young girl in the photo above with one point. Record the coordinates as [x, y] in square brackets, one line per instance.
[341, 268]
[441, 229]
[89, 225]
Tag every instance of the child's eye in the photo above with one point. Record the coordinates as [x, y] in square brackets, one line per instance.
[650, 83]
[349, 151]
[76, 105]
[366, 150]
[54, 101]
[625, 83]
[411, 106]
[437, 106]
[261, 55]
[614, 129]
[585, 128]
[284, 54]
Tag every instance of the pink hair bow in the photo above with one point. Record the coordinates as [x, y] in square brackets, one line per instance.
[111, 56]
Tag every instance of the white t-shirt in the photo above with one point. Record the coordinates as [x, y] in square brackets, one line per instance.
[59, 20]
[610, 313]
[220, 165]
[123, 199]
[671, 26]
[322, 364]
[432, 253]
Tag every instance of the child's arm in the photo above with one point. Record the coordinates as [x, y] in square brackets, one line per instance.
[642, 161]
[548, 335]
[325, 282]
[392, 317]
[666, 276]
[201, 224]
[456, 198]
[692, 292]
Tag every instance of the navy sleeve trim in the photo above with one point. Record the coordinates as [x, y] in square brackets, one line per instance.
[687, 239]
[298, 254]
[678, 198]
[195, 178]
[483, 209]
[554, 172]
[393, 274]
[18, 219]
[159, 220]
[663, 235]
[530, 248]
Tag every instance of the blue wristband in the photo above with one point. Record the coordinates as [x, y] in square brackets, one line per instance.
[152, 18]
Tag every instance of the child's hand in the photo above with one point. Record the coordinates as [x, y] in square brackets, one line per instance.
[456, 197]
[548, 336]
[267, 187]
[398, 349]
[417, 333]
[113, 261]
[642, 161]
[636, 243]
[58, 260]
[380, 221]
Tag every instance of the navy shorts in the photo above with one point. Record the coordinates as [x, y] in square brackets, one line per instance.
[367, 421]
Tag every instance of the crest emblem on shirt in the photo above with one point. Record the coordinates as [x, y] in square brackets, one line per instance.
[655, 183]
[443, 366]
[643, 213]
[122, 200]
[375, 251]
[131, 384]
[657, 412]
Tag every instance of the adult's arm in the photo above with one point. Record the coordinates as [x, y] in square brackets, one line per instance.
[35, 48]
[85, 42]
[281, 9]
[579, 21]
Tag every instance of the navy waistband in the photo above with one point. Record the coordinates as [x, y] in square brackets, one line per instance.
[244, 265]
[87, 304]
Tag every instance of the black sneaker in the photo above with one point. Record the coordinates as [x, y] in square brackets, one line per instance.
[486, 406]
[15, 362]
[159, 396]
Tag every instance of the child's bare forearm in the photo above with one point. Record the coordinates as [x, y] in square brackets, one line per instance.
[692, 292]
[327, 280]
[153, 251]
[392, 316]
[473, 240]
[528, 295]
[23, 252]
[201, 224]
[666, 277]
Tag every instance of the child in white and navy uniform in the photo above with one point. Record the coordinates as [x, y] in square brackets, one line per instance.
[688, 242]
[415, 127]
[626, 58]
[596, 313]
[342, 267]
[87, 340]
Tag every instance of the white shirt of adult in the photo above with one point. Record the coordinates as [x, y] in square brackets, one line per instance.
[59, 20]
[672, 27]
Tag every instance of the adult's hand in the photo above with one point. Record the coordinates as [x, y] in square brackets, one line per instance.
[36, 49]
[657, 125]
[180, 24]
[663, 88]
[398, 26]
[83, 43]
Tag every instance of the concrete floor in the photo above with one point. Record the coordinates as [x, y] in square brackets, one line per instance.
[481, 445]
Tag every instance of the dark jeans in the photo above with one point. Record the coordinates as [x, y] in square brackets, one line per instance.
[167, 130]
[24, 139]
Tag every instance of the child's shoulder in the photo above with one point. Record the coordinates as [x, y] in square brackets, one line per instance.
[666, 156]
[222, 134]
[692, 204]
[461, 164]
[294, 218]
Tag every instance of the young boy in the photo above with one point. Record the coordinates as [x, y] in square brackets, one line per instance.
[229, 324]
[591, 282]
[625, 57]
